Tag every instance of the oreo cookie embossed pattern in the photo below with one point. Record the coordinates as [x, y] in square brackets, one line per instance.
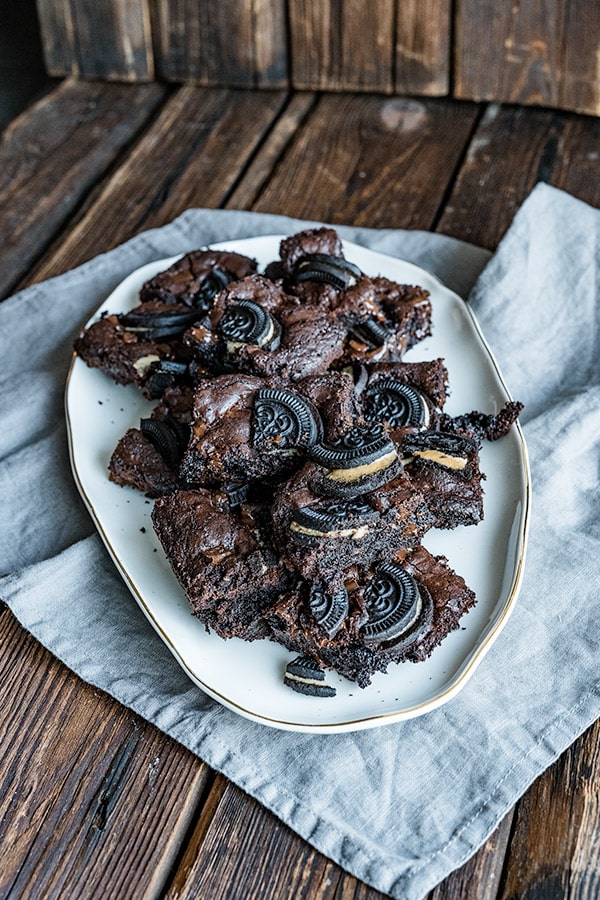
[296, 460]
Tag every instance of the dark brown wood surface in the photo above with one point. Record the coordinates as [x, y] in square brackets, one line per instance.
[94, 802]
[534, 53]
[111, 39]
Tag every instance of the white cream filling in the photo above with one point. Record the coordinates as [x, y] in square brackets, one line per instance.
[355, 533]
[313, 681]
[443, 459]
[368, 469]
[142, 365]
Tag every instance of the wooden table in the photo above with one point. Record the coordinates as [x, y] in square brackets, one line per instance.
[95, 802]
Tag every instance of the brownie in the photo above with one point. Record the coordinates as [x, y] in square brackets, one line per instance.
[489, 427]
[358, 646]
[444, 468]
[137, 463]
[222, 559]
[197, 277]
[255, 327]
[126, 356]
[248, 428]
[321, 537]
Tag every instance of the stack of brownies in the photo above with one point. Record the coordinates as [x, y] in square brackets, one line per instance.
[297, 462]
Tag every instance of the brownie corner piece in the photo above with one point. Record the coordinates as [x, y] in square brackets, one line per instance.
[221, 558]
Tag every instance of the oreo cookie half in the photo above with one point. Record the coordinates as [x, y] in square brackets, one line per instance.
[333, 270]
[159, 325]
[246, 322]
[337, 519]
[329, 610]
[364, 450]
[440, 447]
[305, 676]
[283, 420]
[168, 436]
[397, 404]
[215, 281]
[394, 604]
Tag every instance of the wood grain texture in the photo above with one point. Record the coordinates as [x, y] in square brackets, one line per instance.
[342, 46]
[373, 161]
[110, 40]
[88, 805]
[542, 53]
[241, 850]
[513, 149]
[53, 154]
[222, 42]
[554, 849]
[192, 155]
[423, 37]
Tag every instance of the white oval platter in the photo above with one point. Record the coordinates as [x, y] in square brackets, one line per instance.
[248, 677]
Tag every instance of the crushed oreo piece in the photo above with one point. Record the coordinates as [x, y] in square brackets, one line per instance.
[333, 270]
[305, 676]
[329, 610]
[164, 373]
[168, 436]
[439, 447]
[157, 326]
[371, 332]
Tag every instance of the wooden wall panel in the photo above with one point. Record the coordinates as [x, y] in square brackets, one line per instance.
[542, 52]
[237, 43]
[336, 45]
[422, 64]
[110, 39]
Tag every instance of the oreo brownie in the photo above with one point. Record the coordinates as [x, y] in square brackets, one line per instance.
[222, 559]
[394, 611]
[248, 429]
[197, 277]
[320, 538]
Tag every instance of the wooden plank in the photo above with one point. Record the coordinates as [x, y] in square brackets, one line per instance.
[342, 46]
[53, 154]
[260, 169]
[554, 850]
[222, 42]
[480, 876]
[373, 161]
[511, 151]
[530, 53]
[93, 800]
[423, 51]
[206, 135]
[241, 850]
[111, 39]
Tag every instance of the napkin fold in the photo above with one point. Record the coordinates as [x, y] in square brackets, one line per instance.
[403, 805]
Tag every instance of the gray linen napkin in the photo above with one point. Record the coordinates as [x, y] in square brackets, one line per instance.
[401, 806]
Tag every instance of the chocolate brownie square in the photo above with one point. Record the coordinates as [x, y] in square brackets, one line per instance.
[222, 559]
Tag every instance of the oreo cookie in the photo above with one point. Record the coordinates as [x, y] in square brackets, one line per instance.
[168, 436]
[371, 332]
[397, 404]
[337, 519]
[329, 610]
[333, 270]
[164, 373]
[283, 420]
[305, 676]
[215, 281]
[440, 448]
[156, 326]
[245, 322]
[362, 451]
[395, 605]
